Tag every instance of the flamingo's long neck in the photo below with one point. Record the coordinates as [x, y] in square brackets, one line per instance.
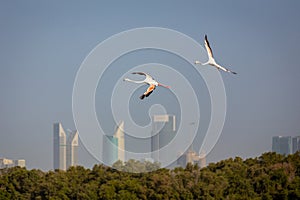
[129, 80]
[206, 63]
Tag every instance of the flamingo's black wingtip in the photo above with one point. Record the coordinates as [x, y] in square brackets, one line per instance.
[142, 97]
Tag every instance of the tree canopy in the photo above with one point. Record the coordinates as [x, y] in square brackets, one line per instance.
[270, 176]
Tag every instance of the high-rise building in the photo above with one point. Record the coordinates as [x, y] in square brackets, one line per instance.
[110, 150]
[119, 134]
[65, 147]
[163, 131]
[114, 146]
[296, 144]
[72, 149]
[59, 147]
[282, 144]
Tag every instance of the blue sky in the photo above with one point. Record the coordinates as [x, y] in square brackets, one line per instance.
[44, 43]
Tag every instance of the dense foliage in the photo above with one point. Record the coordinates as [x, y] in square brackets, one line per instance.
[270, 176]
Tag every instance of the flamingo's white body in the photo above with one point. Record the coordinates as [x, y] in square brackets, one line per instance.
[148, 80]
[211, 61]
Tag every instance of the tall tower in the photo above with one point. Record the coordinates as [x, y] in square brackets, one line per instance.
[114, 146]
[163, 131]
[72, 149]
[119, 134]
[59, 147]
[282, 145]
[110, 149]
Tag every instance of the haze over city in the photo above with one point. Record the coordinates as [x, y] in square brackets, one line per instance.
[43, 45]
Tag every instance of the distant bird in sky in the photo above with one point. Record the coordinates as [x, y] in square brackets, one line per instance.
[148, 80]
[211, 61]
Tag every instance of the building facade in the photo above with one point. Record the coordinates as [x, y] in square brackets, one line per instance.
[7, 163]
[282, 145]
[119, 134]
[163, 131]
[296, 144]
[110, 150]
[59, 147]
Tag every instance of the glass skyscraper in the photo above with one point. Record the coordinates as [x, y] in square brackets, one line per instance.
[110, 150]
[114, 146]
[282, 144]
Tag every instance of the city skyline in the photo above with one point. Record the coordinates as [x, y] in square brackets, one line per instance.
[163, 132]
[44, 44]
[280, 144]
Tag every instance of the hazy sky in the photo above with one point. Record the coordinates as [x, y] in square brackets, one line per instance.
[43, 43]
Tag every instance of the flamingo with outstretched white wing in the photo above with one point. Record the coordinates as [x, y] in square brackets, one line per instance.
[148, 80]
[211, 61]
